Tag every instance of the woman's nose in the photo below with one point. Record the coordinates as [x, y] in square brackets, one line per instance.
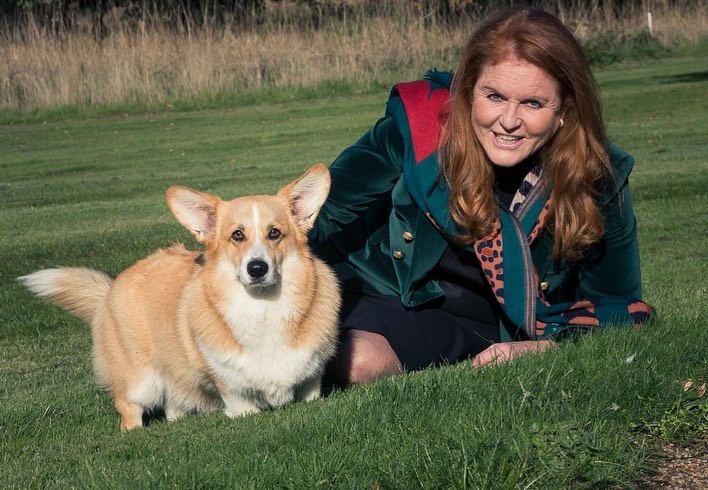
[509, 118]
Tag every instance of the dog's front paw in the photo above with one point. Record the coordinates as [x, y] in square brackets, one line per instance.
[309, 390]
[237, 406]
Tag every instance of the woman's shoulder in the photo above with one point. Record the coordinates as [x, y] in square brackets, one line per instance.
[622, 161]
[622, 164]
[417, 109]
[433, 82]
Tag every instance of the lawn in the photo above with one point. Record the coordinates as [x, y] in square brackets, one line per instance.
[90, 191]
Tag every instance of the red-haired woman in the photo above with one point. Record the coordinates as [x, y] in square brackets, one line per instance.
[486, 215]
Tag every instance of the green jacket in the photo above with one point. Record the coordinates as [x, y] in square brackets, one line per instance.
[376, 230]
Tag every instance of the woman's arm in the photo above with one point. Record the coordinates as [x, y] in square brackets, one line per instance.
[614, 269]
[361, 175]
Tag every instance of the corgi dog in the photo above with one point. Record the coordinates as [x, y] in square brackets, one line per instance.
[244, 325]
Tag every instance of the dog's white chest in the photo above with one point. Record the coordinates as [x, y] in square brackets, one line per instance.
[267, 376]
[267, 370]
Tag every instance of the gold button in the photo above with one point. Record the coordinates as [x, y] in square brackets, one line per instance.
[544, 286]
[408, 236]
[397, 254]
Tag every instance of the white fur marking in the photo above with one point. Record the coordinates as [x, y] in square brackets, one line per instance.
[149, 392]
[258, 250]
[43, 283]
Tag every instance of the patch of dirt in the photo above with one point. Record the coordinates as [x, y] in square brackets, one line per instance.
[684, 468]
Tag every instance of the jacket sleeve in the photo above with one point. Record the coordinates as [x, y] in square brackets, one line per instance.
[361, 175]
[613, 271]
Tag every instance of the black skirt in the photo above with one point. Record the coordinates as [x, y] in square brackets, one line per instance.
[420, 337]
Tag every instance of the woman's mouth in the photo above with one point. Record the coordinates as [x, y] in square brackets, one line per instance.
[507, 140]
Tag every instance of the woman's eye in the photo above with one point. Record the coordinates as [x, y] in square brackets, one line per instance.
[274, 234]
[534, 104]
[494, 96]
[238, 236]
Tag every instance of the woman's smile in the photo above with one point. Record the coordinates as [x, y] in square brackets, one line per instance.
[507, 141]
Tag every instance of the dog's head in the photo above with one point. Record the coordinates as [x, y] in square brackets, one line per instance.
[251, 236]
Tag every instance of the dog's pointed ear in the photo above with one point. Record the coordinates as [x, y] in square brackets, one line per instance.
[307, 194]
[195, 210]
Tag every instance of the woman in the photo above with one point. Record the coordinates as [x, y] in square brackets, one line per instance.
[486, 214]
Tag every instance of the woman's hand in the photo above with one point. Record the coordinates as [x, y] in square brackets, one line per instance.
[506, 351]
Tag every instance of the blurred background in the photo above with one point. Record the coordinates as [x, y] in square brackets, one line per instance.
[77, 53]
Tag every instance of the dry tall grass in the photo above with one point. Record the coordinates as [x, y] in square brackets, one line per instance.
[153, 60]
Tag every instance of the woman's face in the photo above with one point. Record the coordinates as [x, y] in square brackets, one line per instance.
[516, 109]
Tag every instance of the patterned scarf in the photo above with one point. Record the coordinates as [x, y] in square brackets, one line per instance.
[520, 294]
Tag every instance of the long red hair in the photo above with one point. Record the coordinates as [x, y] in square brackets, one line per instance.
[575, 160]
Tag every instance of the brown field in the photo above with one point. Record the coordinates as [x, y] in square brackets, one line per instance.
[154, 58]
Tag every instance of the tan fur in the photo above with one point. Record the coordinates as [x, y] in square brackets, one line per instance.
[196, 331]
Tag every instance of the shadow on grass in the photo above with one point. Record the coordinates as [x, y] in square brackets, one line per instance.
[694, 77]
[154, 415]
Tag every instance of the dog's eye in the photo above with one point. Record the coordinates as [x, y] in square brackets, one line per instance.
[274, 234]
[237, 236]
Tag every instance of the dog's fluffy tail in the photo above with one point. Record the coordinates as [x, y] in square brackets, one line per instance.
[76, 289]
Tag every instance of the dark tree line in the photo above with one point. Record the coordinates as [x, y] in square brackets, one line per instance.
[64, 14]
[68, 15]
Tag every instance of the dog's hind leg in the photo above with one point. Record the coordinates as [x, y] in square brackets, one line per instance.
[131, 414]
[136, 394]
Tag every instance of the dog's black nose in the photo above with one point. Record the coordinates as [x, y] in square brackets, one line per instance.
[257, 268]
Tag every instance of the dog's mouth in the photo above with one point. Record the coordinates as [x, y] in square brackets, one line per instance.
[260, 288]
[258, 282]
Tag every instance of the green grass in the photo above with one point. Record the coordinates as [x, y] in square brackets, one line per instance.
[90, 191]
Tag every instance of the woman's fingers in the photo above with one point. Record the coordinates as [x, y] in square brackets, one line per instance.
[506, 351]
